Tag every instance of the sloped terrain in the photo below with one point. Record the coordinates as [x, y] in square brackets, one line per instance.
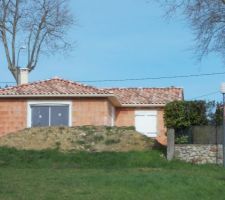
[84, 138]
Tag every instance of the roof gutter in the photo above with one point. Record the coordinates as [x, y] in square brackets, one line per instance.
[143, 105]
[56, 95]
[111, 97]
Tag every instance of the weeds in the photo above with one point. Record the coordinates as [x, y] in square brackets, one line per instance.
[112, 141]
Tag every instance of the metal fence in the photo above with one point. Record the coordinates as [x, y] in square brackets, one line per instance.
[200, 135]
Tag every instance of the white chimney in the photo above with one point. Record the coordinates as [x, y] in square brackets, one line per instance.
[23, 76]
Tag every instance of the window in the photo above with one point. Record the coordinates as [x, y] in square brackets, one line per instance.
[42, 114]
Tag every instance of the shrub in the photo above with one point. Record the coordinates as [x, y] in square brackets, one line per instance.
[217, 118]
[183, 114]
[184, 139]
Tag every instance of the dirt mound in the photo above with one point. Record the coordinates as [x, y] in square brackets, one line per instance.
[85, 138]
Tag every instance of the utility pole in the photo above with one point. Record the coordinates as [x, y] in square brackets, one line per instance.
[223, 92]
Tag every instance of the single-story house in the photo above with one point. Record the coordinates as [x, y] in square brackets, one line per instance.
[57, 102]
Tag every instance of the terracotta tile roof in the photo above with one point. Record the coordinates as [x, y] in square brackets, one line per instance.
[55, 86]
[59, 87]
[141, 96]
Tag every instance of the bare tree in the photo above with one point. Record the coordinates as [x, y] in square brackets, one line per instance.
[207, 19]
[40, 25]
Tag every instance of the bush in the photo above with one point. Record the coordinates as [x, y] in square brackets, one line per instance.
[184, 139]
[217, 119]
[183, 114]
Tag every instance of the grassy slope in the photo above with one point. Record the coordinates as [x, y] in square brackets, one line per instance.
[84, 138]
[146, 175]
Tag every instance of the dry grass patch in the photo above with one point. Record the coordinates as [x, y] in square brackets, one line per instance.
[84, 138]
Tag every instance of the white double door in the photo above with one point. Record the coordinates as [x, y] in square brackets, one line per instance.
[146, 122]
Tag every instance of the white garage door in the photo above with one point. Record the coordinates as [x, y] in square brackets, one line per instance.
[146, 122]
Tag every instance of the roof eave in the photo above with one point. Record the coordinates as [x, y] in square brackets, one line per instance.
[56, 95]
[113, 99]
[143, 105]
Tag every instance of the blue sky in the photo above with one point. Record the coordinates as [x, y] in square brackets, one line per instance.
[129, 39]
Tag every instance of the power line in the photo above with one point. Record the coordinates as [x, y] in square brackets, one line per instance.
[6, 82]
[142, 79]
[153, 78]
[206, 95]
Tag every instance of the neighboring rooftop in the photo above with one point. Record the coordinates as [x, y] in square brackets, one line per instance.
[126, 96]
[147, 95]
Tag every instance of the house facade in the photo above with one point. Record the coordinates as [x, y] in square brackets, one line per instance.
[58, 102]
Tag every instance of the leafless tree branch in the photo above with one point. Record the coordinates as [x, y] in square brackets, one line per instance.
[42, 24]
[206, 18]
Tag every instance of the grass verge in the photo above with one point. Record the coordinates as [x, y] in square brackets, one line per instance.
[146, 175]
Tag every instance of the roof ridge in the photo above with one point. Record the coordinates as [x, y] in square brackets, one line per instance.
[31, 83]
[50, 79]
[24, 85]
[136, 88]
[37, 87]
[76, 83]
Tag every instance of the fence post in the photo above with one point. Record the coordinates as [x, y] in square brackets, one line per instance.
[170, 144]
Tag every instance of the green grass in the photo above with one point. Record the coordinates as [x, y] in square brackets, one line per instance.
[37, 175]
